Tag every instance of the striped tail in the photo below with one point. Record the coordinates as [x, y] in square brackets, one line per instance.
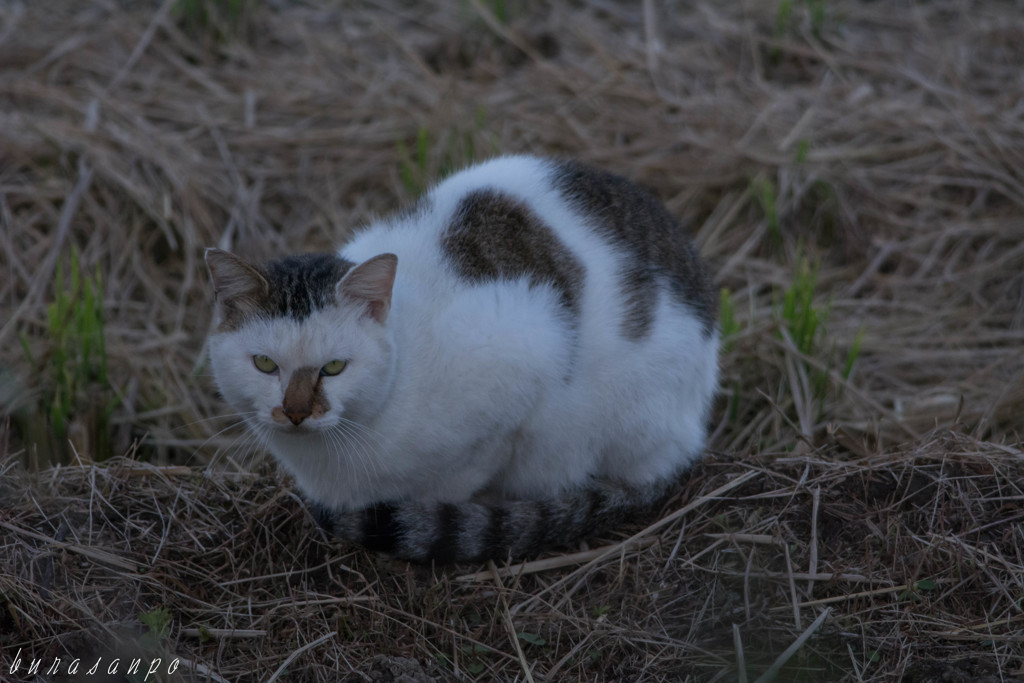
[423, 531]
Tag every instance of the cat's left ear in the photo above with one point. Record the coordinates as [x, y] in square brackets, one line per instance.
[371, 282]
[239, 286]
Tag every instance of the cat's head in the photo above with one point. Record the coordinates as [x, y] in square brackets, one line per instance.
[301, 342]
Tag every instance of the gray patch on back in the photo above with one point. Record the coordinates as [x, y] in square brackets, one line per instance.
[493, 237]
[633, 219]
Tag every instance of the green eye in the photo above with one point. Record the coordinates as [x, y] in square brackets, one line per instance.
[333, 368]
[264, 364]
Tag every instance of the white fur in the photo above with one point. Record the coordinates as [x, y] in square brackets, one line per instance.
[464, 390]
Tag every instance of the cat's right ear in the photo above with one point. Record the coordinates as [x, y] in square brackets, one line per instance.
[370, 282]
[240, 287]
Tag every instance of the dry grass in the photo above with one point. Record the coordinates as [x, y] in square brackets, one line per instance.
[866, 523]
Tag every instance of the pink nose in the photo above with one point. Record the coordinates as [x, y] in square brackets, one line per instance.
[297, 416]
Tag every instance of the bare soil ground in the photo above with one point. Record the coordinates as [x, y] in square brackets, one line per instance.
[853, 171]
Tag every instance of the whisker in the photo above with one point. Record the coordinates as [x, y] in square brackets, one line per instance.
[352, 450]
[213, 436]
[372, 444]
[357, 447]
[363, 429]
[245, 447]
[222, 416]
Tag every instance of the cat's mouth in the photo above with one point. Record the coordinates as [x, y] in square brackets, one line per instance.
[299, 431]
[294, 421]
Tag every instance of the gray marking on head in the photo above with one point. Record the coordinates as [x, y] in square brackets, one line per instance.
[296, 286]
[657, 246]
[494, 236]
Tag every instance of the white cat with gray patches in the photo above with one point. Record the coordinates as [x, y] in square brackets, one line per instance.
[526, 357]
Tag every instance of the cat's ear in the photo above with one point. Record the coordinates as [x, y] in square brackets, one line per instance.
[370, 282]
[240, 287]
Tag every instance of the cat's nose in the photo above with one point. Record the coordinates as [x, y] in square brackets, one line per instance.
[297, 416]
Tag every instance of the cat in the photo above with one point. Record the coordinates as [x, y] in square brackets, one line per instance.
[524, 358]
